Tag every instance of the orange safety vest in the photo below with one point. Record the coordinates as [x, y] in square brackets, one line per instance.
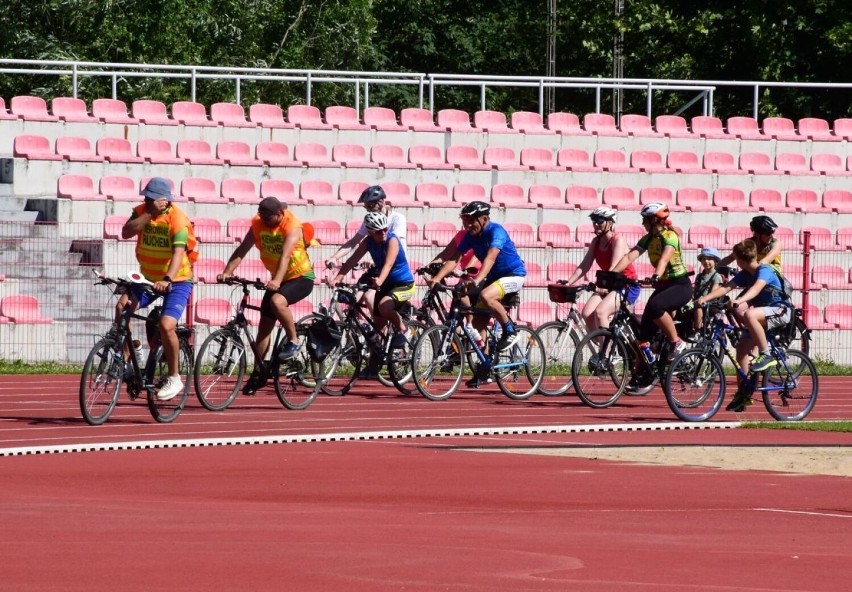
[154, 245]
[270, 243]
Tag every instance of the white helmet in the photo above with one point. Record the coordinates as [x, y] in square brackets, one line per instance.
[375, 221]
[605, 213]
[655, 209]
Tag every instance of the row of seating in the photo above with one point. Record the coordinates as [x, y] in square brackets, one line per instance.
[314, 154]
[418, 119]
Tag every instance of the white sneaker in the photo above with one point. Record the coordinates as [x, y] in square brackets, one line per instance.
[170, 389]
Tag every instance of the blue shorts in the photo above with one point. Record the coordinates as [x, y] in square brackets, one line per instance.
[174, 301]
[633, 294]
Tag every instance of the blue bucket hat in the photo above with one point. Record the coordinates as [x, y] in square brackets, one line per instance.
[158, 188]
[710, 253]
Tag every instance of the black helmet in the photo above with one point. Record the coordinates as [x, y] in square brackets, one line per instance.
[763, 225]
[371, 194]
[476, 208]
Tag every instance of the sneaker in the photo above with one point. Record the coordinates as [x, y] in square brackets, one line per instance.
[368, 374]
[256, 381]
[289, 351]
[507, 340]
[677, 348]
[170, 389]
[478, 381]
[741, 400]
[399, 340]
[763, 362]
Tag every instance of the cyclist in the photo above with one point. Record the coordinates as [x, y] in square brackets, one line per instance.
[394, 283]
[768, 247]
[606, 248]
[279, 236]
[706, 281]
[672, 288]
[768, 309]
[165, 249]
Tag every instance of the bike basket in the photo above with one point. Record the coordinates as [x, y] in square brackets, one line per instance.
[561, 294]
[345, 296]
[610, 280]
[323, 335]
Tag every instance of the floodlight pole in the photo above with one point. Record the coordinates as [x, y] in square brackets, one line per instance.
[550, 91]
[618, 61]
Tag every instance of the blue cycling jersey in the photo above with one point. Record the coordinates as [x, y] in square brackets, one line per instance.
[399, 273]
[494, 236]
[771, 295]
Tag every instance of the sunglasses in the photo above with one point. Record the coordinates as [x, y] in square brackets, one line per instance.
[598, 220]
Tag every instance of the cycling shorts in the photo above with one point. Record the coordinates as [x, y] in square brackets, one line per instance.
[174, 301]
[400, 293]
[292, 290]
[506, 285]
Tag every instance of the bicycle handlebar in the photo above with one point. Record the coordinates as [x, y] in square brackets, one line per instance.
[256, 283]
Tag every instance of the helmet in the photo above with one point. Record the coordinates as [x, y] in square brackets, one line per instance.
[375, 221]
[709, 253]
[763, 224]
[605, 213]
[371, 194]
[476, 208]
[655, 209]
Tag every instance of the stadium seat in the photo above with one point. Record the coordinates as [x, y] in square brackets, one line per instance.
[708, 127]
[539, 159]
[721, 162]
[510, 196]
[454, 120]
[705, 235]
[71, 109]
[23, 309]
[792, 163]
[413, 236]
[502, 158]
[328, 232]
[352, 227]
[113, 225]
[794, 273]
[837, 200]
[744, 128]
[77, 188]
[274, 154]
[556, 235]
[611, 160]
[318, 192]
[560, 270]
[648, 161]
[622, 198]
[817, 129]
[236, 153]
[493, 122]
[352, 156]
[306, 117]
[466, 158]
[215, 312]
[4, 112]
[528, 122]
[768, 200]
[803, 200]
[230, 115]
[549, 197]
[439, 233]
[631, 232]
[76, 148]
[30, 109]
[197, 152]
[828, 164]
[575, 159]
[521, 233]
[344, 118]
[787, 237]
[313, 154]
[191, 113]
[240, 191]
[535, 313]
[602, 124]
[200, 190]
[780, 128]
[637, 125]
[844, 238]
[206, 269]
[842, 128]
[399, 194]
[117, 150]
[253, 268]
[815, 319]
[435, 195]
[418, 120]
[267, 115]
[302, 308]
[33, 147]
[653, 194]
[582, 197]
[157, 151]
[695, 199]
[821, 238]
[390, 156]
[684, 161]
[467, 192]
[119, 188]
[381, 119]
[280, 188]
[112, 111]
[839, 315]
[756, 163]
[565, 124]
[348, 191]
[428, 156]
[151, 112]
[736, 234]
[673, 126]
[208, 230]
[237, 228]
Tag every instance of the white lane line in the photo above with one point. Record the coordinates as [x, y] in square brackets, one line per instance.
[805, 513]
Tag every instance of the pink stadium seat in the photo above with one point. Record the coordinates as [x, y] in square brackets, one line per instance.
[842, 128]
[344, 117]
[622, 198]
[318, 192]
[353, 226]
[839, 315]
[720, 162]
[510, 195]
[744, 128]
[230, 115]
[418, 120]
[466, 158]
[821, 238]
[637, 125]
[817, 129]
[31, 108]
[382, 119]
[803, 200]
[78, 188]
[197, 152]
[390, 156]
[731, 199]
[705, 235]
[502, 158]
[313, 154]
[565, 123]
[549, 197]
[555, 234]
[119, 188]
[756, 162]
[795, 275]
[192, 114]
[828, 164]
[611, 160]
[399, 194]
[695, 199]
[349, 191]
[792, 163]
[454, 120]
[538, 159]
[306, 117]
[735, 234]
[535, 312]
[428, 156]
[113, 225]
[213, 311]
[684, 161]
[787, 237]
[582, 197]
[648, 161]
[71, 109]
[493, 122]
[768, 200]
[575, 159]
[672, 125]
[708, 127]
[236, 153]
[528, 122]
[267, 115]
[439, 233]
[535, 275]
[780, 128]
[274, 154]
[117, 150]
[837, 200]
[253, 268]
[844, 238]
[200, 190]
[815, 319]
[23, 309]
[4, 112]
[33, 147]
[631, 232]
[328, 232]
[560, 270]
[151, 112]
[467, 192]
[601, 124]
[76, 148]
[112, 111]
[280, 188]
[302, 308]
[237, 228]
[653, 194]
[208, 230]
[157, 151]
[414, 237]
[241, 191]
[435, 195]
[206, 269]
[521, 233]
[352, 156]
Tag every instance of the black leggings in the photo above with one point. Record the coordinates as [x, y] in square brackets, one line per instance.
[668, 297]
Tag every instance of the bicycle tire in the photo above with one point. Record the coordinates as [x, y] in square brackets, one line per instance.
[306, 377]
[560, 342]
[100, 382]
[220, 369]
[796, 400]
[521, 382]
[695, 385]
[600, 384]
[339, 370]
[437, 363]
[399, 360]
[156, 371]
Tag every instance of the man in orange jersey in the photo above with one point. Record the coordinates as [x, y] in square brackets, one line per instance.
[165, 249]
[279, 237]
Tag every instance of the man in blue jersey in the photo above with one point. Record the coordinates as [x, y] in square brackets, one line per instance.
[502, 270]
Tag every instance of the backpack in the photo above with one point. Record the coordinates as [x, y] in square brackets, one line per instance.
[323, 335]
[786, 290]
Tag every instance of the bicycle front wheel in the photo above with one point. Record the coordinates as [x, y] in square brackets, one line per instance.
[100, 381]
[340, 368]
[399, 360]
[520, 368]
[695, 385]
[437, 363]
[599, 369]
[156, 373]
[560, 342]
[220, 369]
[790, 388]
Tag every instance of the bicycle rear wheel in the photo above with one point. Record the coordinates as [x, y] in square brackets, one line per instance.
[560, 342]
[522, 378]
[220, 369]
[437, 363]
[399, 360]
[156, 373]
[341, 367]
[794, 387]
[599, 370]
[695, 385]
[100, 381]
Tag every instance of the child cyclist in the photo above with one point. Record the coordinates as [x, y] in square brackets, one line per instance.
[708, 279]
[768, 309]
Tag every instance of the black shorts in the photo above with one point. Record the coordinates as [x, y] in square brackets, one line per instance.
[400, 293]
[292, 290]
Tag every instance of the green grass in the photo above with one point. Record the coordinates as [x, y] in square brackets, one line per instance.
[811, 426]
[19, 367]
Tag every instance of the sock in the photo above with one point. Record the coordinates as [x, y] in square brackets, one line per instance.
[509, 327]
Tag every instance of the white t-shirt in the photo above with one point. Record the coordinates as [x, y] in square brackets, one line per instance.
[396, 225]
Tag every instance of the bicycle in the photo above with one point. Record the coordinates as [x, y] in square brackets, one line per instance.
[561, 337]
[111, 362]
[438, 364]
[696, 382]
[221, 365]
